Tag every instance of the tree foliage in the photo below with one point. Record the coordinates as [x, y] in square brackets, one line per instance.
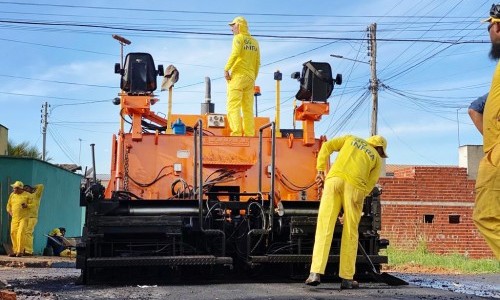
[23, 149]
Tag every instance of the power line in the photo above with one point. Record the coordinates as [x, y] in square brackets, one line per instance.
[136, 9]
[57, 81]
[293, 37]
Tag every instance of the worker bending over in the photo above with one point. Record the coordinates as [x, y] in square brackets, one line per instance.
[350, 179]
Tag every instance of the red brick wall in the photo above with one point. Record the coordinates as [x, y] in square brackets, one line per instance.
[415, 192]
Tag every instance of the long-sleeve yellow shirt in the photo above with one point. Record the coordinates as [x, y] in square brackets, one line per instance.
[245, 55]
[357, 161]
[34, 203]
[15, 205]
[491, 114]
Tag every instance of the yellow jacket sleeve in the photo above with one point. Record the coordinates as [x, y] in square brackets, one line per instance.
[373, 178]
[257, 65]
[327, 149]
[34, 201]
[235, 52]
[491, 114]
[9, 205]
[39, 191]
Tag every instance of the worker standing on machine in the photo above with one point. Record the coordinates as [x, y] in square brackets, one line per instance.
[486, 214]
[351, 178]
[33, 207]
[241, 71]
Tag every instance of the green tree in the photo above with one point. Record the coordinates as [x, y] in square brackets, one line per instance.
[23, 149]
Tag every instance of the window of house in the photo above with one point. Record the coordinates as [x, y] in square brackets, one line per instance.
[428, 218]
[454, 219]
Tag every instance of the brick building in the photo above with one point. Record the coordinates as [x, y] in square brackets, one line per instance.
[432, 205]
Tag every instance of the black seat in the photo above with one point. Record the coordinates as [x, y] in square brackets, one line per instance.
[139, 74]
[316, 82]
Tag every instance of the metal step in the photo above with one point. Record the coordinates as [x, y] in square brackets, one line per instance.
[158, 261]
[296, 258]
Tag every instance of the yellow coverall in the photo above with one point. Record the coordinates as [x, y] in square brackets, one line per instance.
[18, 225]
[351, 178]
[33, 206]
[486, 213]
[243, 63]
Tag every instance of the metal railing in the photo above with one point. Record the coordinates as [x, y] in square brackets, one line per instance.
[198, 182]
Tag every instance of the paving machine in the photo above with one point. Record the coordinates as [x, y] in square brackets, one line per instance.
[188, 199]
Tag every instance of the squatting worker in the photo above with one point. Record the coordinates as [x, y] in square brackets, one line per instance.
[351, 178]
[240, 72]
[33, 207]
[17, 207]
[486, 213]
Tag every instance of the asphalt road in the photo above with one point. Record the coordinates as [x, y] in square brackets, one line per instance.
[59, 283]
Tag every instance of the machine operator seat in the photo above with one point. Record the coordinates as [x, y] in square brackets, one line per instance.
[316, 81]
[138, 74]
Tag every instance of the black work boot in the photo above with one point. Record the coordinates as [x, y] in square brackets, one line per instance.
[313, 279]
[347, 284]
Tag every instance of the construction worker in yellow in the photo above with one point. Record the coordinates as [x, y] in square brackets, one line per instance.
[17, 207]
[33, 206]
[350, 179]
[59, 244]
[240, 72]
[486, 214]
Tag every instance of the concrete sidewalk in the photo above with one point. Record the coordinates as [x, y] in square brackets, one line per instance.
[37, 262]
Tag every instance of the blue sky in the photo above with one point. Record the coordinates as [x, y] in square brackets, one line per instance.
[432, 61]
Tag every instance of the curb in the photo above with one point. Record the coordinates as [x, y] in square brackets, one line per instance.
[36, 262]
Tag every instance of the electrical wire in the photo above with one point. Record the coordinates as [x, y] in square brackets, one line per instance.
[155, 180]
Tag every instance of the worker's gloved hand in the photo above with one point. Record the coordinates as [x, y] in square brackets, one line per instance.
[320, 179]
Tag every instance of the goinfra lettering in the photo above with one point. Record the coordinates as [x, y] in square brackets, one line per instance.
[361, 145]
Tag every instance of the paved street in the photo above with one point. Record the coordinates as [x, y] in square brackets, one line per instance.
[59, 283]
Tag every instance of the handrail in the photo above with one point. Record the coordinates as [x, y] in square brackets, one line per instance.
[198, 162]
[273, 167]
[198, 182]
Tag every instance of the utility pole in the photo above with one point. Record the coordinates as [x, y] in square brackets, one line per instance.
[80, 151]
[372, 52]
[45, 109]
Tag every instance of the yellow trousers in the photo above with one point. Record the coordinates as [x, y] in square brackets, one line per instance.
[240, 102]
[28, 243]
[486, 213]
[68, 253]
[18, 227]
[338, 194]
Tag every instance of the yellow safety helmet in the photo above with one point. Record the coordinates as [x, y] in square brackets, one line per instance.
[55, 232]
[17, 184]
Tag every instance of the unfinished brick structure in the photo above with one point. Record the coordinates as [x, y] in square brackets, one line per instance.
[432, 205]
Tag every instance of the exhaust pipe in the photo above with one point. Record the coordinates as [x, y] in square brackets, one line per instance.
[207, 107]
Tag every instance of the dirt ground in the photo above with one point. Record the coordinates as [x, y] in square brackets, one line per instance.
[415, 268]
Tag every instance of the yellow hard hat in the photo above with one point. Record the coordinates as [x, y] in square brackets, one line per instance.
[378, 141]
[55, 232]
[17, 184]
[238, 20]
